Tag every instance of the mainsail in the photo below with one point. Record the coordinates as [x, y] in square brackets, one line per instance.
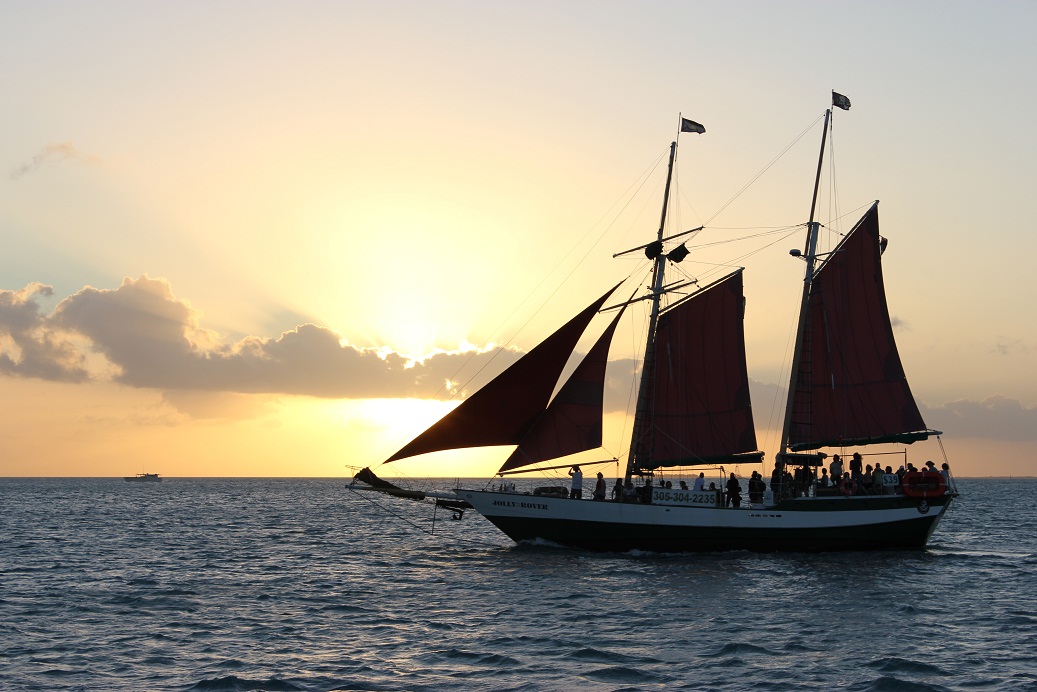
[698, 408]
[502, 412]
[850, 388]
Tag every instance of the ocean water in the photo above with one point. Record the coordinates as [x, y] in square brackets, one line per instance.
[259, 584]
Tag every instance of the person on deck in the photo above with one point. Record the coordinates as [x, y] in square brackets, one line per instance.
[776, 480]
[837, 469]
[646, 492]
[734, 491]
[756, 488]
[700, 483]
[822, 482]
[856, 467]
[848, 485]
[617, 491]
[629, 492]
[577, 489]
[599, 488]
[865, 481]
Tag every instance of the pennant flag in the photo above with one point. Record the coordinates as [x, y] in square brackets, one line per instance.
[840, 101]
[692, 126]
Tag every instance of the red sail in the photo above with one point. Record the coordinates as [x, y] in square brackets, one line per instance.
[572, 422]
[502, 411]
[850, 387]
[699, 407]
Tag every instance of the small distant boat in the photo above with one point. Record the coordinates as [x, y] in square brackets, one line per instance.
[143, 478]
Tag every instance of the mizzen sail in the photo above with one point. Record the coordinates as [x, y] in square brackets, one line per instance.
[503, 411]
[850, 388]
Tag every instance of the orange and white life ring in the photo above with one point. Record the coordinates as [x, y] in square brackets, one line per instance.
[923, 484]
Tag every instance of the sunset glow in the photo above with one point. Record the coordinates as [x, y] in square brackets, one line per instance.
[277, 242]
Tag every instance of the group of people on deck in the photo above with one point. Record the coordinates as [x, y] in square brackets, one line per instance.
[855, 480]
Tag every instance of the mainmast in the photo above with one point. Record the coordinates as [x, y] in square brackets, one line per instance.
[642, 422]
[810, 255]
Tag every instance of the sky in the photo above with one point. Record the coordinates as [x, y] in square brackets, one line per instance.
[273, 239]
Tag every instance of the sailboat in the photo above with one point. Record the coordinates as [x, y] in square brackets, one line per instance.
[847, 391]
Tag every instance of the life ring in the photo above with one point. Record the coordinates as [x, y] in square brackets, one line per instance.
[923, 484]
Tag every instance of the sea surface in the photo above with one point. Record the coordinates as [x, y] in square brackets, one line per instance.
[299, 584]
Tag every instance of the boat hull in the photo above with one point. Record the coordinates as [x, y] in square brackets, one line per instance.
[799, 525]
[143, 478]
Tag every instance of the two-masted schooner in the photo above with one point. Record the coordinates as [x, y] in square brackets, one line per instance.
[847, 390]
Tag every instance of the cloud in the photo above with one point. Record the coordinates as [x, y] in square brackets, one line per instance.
[1008, 347]
[53, 154]
[155, 340]
[30, 346]
[148, 338]
[996, 417]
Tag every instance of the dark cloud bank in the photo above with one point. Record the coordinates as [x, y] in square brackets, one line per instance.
[154, 340]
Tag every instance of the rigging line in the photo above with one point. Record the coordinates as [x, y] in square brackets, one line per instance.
[764, 170]
[643, 178]
[383, 508]
[833, 192]
[725, 241]
[460, 539]
[764, 247]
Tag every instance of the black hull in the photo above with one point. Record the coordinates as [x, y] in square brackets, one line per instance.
[597, 537]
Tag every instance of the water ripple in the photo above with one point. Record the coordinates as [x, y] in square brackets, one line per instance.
[244, 584]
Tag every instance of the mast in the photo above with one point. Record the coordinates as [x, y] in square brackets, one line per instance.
[810, 255]
[642, 426]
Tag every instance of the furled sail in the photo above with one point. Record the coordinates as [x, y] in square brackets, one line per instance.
[502, 411]
[850, 387]
[698, 407]
[572, 422]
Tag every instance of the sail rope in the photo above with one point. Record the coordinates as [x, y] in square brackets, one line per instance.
[631, 193]
[639, 183]
[430, 532]
[756, 177]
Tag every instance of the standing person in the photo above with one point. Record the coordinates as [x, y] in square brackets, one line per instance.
[734, 491]
[777, 477]
[700, 482]
[837, 469]
[856, 467]
[599, 488]
[756, 488]
[577, 490]
[617, 490]
[876, 480]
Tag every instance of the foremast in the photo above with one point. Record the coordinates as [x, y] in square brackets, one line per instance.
[654, 250]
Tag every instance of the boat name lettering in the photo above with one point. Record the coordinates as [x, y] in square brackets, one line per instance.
[520, 505]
